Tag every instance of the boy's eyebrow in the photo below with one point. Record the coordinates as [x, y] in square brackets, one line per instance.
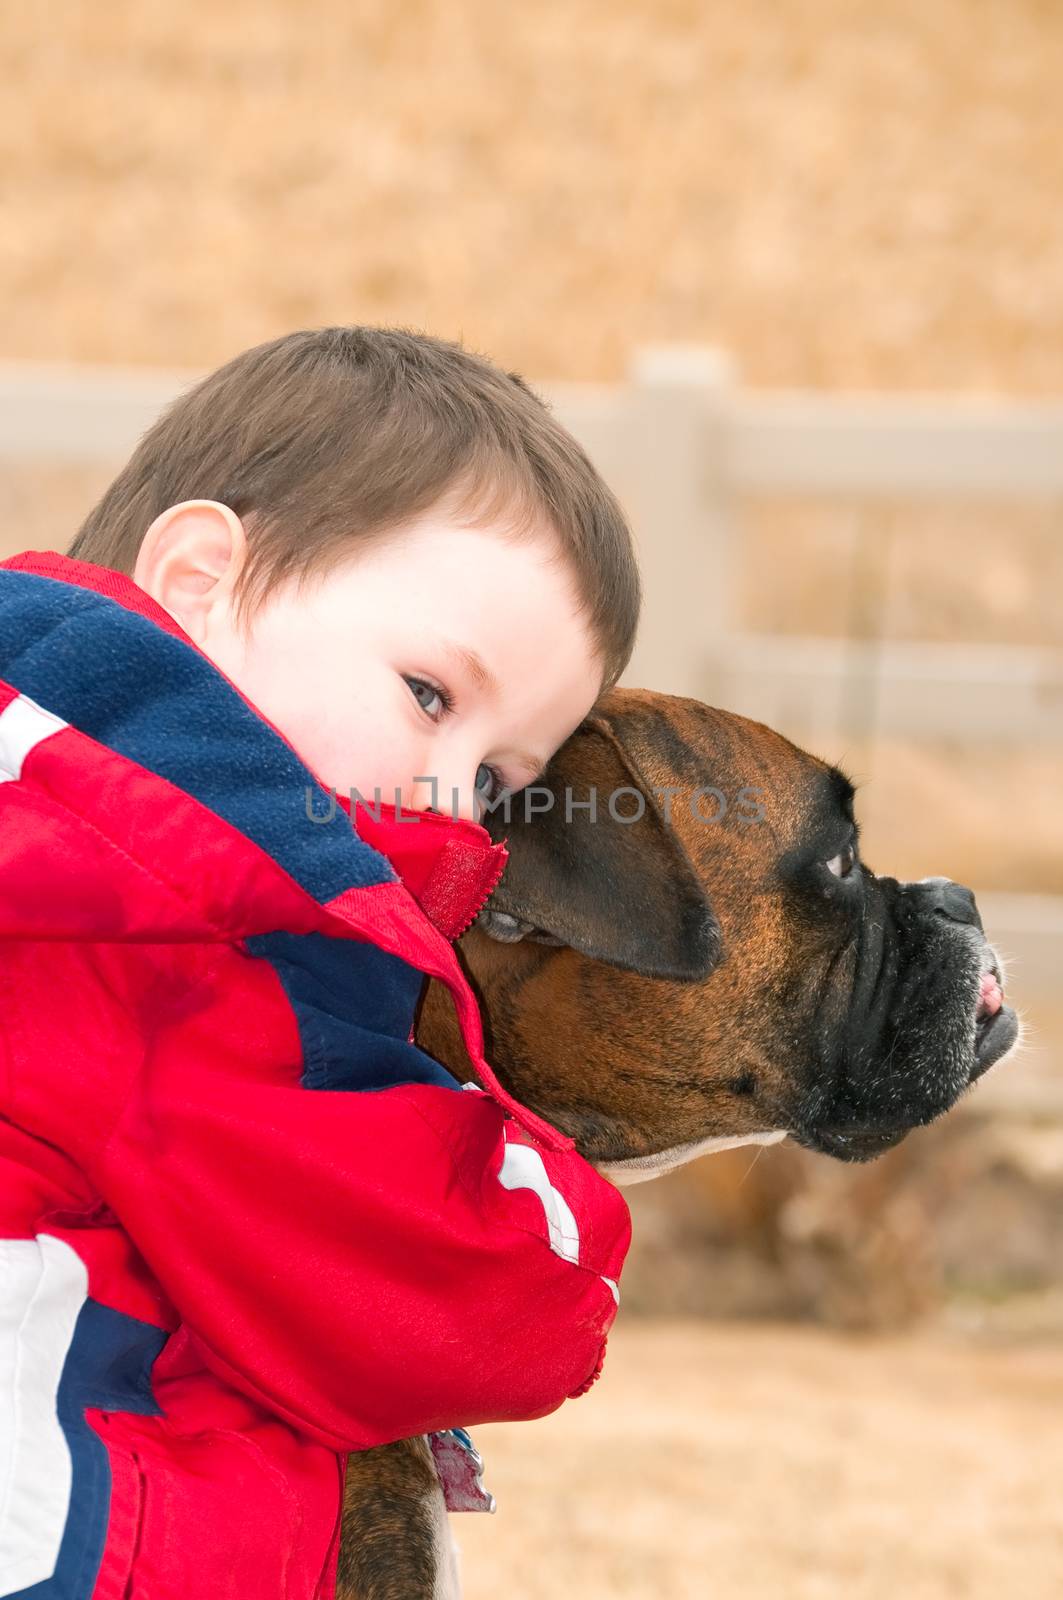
[473, 664]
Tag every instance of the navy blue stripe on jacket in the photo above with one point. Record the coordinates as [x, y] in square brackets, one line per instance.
[354, 1006]
[107, 1367]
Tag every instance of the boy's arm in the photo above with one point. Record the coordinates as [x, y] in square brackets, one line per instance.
[371, 1265]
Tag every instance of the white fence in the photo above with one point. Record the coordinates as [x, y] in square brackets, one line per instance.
[682, 445]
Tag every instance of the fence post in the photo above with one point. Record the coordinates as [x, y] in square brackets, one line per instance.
[678, 497]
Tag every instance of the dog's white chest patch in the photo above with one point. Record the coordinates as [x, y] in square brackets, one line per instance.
[640, 1168]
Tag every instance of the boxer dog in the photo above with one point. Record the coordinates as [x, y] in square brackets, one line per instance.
[701, 960]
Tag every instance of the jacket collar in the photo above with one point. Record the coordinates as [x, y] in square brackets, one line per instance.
[449, 865]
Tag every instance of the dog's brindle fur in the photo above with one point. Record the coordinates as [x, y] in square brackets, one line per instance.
[393, 1520]
[658, 987]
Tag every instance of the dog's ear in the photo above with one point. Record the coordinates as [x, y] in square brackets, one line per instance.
[620, 891]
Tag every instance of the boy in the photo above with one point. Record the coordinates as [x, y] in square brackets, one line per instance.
[350, 559]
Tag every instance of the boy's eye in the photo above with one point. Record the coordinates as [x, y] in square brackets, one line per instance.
[489, 781]
[426, 694]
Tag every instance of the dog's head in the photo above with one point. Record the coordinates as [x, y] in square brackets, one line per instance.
[704, 958]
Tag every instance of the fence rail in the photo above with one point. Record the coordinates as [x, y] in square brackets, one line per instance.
[52, 413]
[684, 446]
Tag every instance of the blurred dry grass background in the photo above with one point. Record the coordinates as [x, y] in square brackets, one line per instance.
[841, 194]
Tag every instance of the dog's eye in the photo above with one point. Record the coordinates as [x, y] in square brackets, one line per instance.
[843, 863]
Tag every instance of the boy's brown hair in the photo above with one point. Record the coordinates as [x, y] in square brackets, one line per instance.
[327, 439]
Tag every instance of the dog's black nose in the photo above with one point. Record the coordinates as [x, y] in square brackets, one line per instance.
[952, 900]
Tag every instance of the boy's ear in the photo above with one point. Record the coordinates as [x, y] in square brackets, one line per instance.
[623, 892]
[189, 559]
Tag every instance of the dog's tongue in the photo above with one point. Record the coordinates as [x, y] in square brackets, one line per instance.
[990, 999]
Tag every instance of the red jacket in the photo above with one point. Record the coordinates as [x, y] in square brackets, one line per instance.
[246, 1225]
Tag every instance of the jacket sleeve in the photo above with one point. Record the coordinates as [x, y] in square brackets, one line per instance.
[370, 1266]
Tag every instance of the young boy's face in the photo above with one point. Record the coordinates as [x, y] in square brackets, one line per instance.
[442, 652]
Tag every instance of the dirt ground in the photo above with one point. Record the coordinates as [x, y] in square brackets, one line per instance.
[762, 1461]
